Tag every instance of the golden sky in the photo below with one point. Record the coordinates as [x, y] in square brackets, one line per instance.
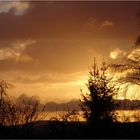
[46, 48]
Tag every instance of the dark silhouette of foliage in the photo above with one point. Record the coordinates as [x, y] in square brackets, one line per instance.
[5, 103]
[13, 113]
[69, 116]
[137, 43]
[98, 105]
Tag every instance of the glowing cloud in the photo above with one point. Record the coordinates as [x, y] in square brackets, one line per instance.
[19, 7]
[94, 22]
[117, 53]
[107, 23]
[15, 51]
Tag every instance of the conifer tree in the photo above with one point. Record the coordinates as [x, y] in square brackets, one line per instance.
[98, 105]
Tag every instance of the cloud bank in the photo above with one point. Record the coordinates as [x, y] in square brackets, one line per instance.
[133, 54]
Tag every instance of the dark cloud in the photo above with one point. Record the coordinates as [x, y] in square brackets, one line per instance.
[66, 20]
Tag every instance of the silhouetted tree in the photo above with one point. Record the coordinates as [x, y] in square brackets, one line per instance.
[3, 101]
[13, 113]
[98, 105]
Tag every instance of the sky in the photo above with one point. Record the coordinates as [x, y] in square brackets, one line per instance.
[47, 48]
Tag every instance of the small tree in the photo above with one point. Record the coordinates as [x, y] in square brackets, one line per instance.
[98, 106]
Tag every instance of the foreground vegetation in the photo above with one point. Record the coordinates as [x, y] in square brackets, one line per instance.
[56, 129]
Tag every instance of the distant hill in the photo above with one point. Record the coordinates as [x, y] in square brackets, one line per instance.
[128, 104]
[75, 104]
[53, 106]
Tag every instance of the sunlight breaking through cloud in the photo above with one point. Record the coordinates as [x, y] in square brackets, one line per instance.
[117, 53]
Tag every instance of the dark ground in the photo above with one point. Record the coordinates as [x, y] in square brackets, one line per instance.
[47, 129]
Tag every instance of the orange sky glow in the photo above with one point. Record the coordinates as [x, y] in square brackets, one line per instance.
[47, 48]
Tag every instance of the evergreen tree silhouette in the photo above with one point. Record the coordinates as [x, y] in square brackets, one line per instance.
[98, 106]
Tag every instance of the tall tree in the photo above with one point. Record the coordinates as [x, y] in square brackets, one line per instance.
[98, 105]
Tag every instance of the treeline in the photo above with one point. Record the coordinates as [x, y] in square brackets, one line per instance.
[74, 104]
[127, 104]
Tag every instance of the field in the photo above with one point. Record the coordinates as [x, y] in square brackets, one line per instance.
[54, 129]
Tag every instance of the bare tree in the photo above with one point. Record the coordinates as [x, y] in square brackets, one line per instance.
[13, 113]
[3, 102]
